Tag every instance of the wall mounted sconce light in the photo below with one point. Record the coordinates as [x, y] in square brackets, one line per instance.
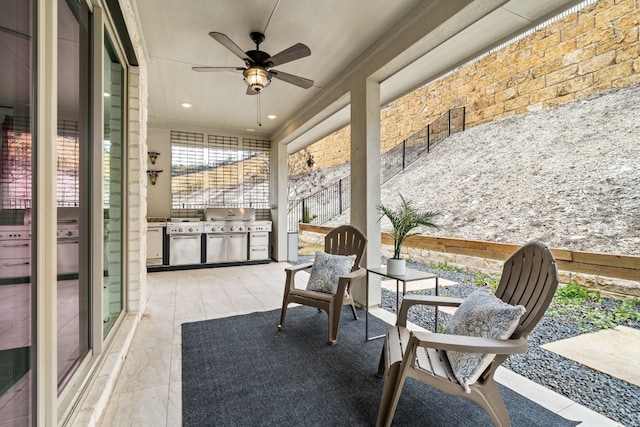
[153, 156]
[310, 161]
[153, 174]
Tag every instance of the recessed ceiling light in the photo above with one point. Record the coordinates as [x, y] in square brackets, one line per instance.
[271, 116]
[186, 105]
[250, 130]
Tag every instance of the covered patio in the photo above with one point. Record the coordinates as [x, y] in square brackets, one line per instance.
[400, 47]
[120, 74]
[363, 56]
[148, 391]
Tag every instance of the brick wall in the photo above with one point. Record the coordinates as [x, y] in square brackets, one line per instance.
[136, 152]
[588, 52]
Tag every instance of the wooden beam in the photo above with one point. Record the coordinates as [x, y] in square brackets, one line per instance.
[625, 267]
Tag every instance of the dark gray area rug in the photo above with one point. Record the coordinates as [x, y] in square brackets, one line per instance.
[240, 371]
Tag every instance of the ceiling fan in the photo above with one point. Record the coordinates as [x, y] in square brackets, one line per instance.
[258, 64]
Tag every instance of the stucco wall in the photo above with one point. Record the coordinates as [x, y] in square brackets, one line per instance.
[591, 51]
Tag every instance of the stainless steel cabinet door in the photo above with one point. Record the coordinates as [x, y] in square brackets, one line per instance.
[155, 236]
[238, 247]
[216, 248]
[184, 249]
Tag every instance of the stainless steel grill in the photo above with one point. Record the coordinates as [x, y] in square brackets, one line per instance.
[227, 238]
[185, 226]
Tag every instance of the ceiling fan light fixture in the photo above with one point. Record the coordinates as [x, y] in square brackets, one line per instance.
[257, 78]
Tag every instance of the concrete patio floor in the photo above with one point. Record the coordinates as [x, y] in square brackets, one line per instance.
[147, 390]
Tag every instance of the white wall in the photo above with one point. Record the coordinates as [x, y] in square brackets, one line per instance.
[159, 195]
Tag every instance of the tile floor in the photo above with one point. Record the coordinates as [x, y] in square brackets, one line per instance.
[148, 391]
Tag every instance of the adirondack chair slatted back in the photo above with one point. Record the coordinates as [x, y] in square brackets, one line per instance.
[346, 240]
[529, 278]
[343, 240]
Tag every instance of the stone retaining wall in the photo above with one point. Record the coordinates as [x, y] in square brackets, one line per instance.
[592, 51]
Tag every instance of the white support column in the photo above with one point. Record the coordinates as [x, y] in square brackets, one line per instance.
[365, 176]
[279, 197]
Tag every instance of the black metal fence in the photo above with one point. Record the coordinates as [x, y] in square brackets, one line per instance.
[320, 207]
[331, 201]
[411, 149]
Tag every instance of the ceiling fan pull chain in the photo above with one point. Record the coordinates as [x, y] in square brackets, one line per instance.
[258, 117]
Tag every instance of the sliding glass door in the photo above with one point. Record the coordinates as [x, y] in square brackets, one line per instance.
[78, 180]
[73, 172]
[113, 171]
[16, 232]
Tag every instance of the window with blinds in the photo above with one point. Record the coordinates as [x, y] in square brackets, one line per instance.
[188, 164]
[219, 172]
[224, 183]
[68, 176]
[15, 163]
[255, 173]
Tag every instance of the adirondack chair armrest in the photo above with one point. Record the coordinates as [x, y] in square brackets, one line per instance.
[345, 281]
[291, 271]
[299, 267]
[360, 272]
[410, 300]
[468, 344]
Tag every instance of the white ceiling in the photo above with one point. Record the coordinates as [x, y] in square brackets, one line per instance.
[401, 43]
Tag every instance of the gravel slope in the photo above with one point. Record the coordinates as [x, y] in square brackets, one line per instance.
[568, 176]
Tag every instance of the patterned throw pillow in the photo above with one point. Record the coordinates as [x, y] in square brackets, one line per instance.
[481, 314]
[326, 271]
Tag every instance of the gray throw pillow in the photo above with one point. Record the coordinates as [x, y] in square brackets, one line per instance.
[326, 271]
[481, 314]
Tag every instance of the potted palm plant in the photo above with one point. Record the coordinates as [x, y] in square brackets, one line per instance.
[403, 221]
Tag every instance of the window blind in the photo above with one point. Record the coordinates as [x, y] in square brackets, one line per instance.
[224, 189]
[219, 172]
[16, 163]
[68, 179]
[255, 173]
[187, 170]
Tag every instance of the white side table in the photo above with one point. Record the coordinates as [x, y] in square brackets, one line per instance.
[409, 276]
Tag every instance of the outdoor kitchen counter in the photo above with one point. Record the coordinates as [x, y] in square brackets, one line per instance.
[227, 236]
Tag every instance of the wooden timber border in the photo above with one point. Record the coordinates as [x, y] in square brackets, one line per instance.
[625, 267]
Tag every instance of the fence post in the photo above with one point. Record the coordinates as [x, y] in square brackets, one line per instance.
[302, 216]
[428, 138]
[449, 124]
[464, 112]
[404, 152]
[340, 194]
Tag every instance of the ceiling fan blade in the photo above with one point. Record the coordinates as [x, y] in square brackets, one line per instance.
[296, 51]
[290, 78]
[225, 41]
[206, 69]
